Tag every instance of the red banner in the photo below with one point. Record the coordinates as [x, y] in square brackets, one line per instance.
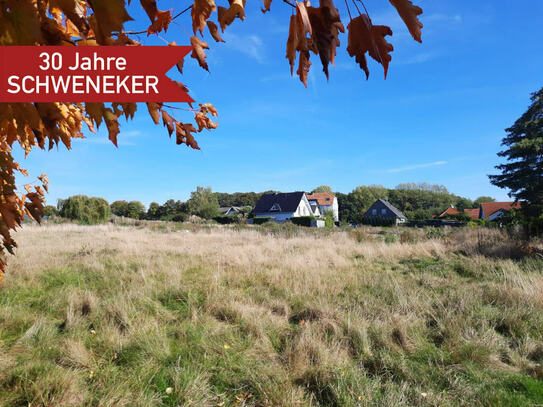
[90, 74]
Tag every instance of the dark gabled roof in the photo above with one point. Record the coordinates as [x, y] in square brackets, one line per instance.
[287, 202]
[390, 207]
[395, 210]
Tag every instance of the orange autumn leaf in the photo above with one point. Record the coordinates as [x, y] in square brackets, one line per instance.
[150, 8]
[201, 11]
[228, 15]
[161, 23]
[364, 38]
[168, 122]
[109, 16]
[214, 31]
[267, 5]
[326, 26]
[381, 53]
[298, 42]
[409, 14]
[154, 111]
[198, 52]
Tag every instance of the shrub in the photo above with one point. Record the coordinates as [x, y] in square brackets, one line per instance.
[260, 221]
[86, 210]
[303, 220]
[389, 238]
[180, 217]
[227, 219]
[329, 220]
[50, 210]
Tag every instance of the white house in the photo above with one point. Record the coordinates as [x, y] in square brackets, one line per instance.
[283, 206]
[325, 201]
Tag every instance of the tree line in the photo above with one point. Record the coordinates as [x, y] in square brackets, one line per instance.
[418, 201]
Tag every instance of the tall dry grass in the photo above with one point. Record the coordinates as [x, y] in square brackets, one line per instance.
[111, 315]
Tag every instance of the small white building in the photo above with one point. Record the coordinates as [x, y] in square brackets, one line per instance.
[324, 201]
[283, 206]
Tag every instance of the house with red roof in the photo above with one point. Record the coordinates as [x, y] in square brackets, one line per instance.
[449, 212]
[324, 201]
[472, 213]
[495, 210]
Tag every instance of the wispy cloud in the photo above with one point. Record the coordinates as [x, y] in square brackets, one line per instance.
[416, 166]
[250, 45]
[443, 18]
[417, 59]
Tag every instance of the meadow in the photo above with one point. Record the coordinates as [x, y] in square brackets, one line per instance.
[162, 315]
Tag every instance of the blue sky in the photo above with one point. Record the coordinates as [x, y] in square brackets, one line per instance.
[438, 118]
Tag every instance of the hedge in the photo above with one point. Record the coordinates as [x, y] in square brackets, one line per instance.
[303, 220]
[260, 221]
[379, 221]
[227, 219]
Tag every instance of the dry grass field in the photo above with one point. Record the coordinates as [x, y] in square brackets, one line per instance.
[270, 316]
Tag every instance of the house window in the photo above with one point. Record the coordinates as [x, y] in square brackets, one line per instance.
[275, 208]
[383, 211]
[374, 212]
[328, 199]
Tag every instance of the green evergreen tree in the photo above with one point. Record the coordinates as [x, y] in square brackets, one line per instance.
[522, 174]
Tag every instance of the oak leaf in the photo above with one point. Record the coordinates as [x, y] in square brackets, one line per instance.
[228, 15]
[198, 51]
[109, 16]
[183, 133]
[112, 123]
[76, 12]
[161, 23]
[201, 11]
[214, 31]
[19, 23]
[267, 5]
[301, 12]
[150, 8]
[365, 37]
[409, 14]
[383, 48]
[298, 42]
[326, 25]
[202, 120]
[95, 112]
[154, 111]
[303, 67]
[168, 121]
